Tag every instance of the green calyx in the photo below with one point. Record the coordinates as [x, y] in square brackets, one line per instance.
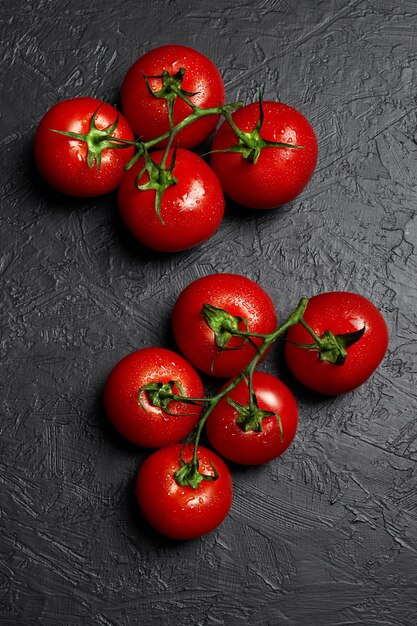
[170, 90]
[250, 417]
[222, 324]
[97, 139]
[332, 348]
[189, 475]
[160, 394]
[250, 144]
[160, 178]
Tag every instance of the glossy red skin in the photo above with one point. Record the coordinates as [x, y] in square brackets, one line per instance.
[148, 115]
[151, 428]
[341, 312]
[191, 210]
[237, 295]
[280, 174]
[230, 440]
[62, 160]
[183, 512]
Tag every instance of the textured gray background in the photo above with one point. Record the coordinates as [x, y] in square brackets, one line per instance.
[324, 536]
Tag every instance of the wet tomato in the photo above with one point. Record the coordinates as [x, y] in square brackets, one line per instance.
[340, 312]
[148, 114]
[256, 436]
[140, 421]
[64, 161]
[237, 295]
[279, 174]
[183, 512]
[191, 209]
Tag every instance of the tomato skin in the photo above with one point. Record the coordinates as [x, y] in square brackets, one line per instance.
[192, 209]
[230, 440]
[148, 115]
[239, 296]
[151, 428]
[341, 312]
[280, 174]
[62, 160]
[183, 512]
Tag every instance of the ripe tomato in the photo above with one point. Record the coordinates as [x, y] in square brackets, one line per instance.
[191, 209]
[340, 312]
[148, 115]
[62, 160]
[148, 425]
[183, 512]
[279, 174]
[253, 447]
[240, 297]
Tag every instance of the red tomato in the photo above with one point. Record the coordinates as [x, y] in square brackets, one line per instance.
[62, 160]
[148, 115]
[191, 210]
[253, 447]
[183, 512]
[279, 174]
[340, 312]
[150, 426]
[240, 297]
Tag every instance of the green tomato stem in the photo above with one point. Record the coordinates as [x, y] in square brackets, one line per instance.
[184, 399]
[248, 371]
[195, 115]
[317, 339]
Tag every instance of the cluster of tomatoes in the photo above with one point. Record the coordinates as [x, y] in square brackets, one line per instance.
[172, 99]
[223, 325]
[261, 156]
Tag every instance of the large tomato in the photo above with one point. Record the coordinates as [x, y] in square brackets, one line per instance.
[342, 313]
[279, 174]
[148, 115]
[191, 209]
[238, 296]
[254, 437]
[62, 160]
[135, 415]
[183, 512]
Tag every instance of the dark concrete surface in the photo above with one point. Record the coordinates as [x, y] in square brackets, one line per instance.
[324, 536]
